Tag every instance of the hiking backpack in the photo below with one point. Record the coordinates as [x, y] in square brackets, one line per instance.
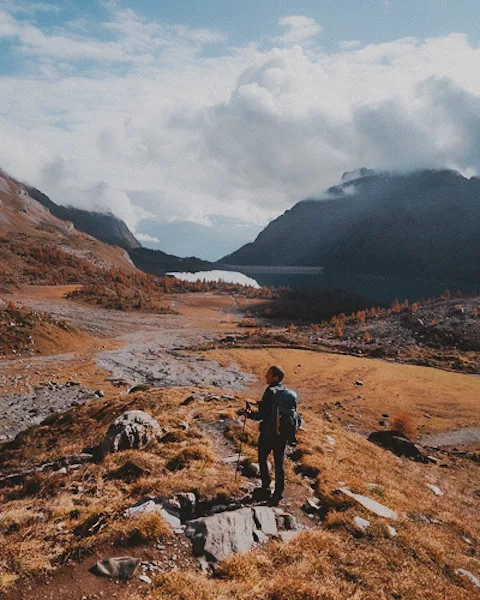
[287, 421]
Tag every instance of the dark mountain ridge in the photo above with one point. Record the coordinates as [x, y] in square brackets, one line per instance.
[422, 224]
[107, 228]
[103, 226]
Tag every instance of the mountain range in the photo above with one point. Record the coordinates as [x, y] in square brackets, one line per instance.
[421, 224]
[424, 224]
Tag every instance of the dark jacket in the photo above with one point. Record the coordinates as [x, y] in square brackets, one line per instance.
[264, 408]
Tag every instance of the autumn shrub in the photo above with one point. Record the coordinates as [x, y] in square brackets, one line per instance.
[404, 423]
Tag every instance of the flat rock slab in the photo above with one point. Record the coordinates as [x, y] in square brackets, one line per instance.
[371, 505]
[217, 536]
[223, 534]
[158, 507]
[123, 567]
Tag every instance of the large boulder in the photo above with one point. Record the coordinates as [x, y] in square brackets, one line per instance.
[217, 536]
[133, 430]
[399, 444]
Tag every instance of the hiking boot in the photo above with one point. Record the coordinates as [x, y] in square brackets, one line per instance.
[275, 499]
[261, 494]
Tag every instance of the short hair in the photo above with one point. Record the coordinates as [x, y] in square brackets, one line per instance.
[277, 372]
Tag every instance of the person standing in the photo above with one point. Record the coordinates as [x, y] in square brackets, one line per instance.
[277, 413]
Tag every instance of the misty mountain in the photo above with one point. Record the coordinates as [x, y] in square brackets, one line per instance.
[105, 227]
[422, 224]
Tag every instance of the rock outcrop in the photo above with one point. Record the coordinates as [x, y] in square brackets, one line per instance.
[399, 445]
[217, 536]
[134, 429]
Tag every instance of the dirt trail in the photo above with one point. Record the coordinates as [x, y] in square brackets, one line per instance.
[134, 348]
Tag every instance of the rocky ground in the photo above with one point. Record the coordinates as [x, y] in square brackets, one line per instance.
[442, 333]
[357, 521]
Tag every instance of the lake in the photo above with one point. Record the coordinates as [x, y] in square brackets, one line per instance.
[375, 287]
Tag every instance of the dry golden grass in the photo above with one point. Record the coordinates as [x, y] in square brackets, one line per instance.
[333, 561]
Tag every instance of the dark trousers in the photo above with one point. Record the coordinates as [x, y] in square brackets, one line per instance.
[267, 444]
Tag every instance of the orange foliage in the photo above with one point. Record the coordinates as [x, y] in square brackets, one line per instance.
[404, 423]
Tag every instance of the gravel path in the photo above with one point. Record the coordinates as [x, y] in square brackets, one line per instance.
[153, 351]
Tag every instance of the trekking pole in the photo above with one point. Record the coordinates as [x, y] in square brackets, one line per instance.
[241, 444]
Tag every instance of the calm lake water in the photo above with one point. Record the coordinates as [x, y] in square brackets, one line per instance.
[375, 287]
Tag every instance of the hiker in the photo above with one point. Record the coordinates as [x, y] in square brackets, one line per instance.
[277, 413]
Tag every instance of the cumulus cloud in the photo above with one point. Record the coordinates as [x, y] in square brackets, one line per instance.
[298, 29]
[145, 123]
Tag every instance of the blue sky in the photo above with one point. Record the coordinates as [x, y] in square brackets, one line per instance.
[370, 21]
[181, 111]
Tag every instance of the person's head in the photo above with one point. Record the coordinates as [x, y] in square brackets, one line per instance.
[274, 375]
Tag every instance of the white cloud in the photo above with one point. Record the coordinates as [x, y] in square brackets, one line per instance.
[299, 29]
[145, 124]
[147, 239]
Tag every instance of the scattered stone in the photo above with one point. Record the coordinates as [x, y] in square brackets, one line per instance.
[250, 469]
[145, 579]
[383, 423]
[212, 398]
[230, 460]
[385, 415]
[188, 401]
[327, 416]
[436, 490]
[188, 504]
[227, 397]
[358, 382]
[184, 426]
[399, 445]
[369, 504]
[311, 506]
[468, 575]
[123, 567]
[362, 524]
[132, 430]
[118, 381]
[141, 387]
[392, 532]
[149, 505]
[332, 441]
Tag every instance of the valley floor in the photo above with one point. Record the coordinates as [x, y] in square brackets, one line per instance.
[342, 398]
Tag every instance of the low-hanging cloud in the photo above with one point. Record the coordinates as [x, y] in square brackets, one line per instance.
[147, 123]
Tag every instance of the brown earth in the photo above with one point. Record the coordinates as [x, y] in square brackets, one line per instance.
[334, 560]
[451, 400]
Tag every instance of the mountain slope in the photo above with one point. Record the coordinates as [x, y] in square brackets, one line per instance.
[103, 226]
[424, 224]
[26, 226]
